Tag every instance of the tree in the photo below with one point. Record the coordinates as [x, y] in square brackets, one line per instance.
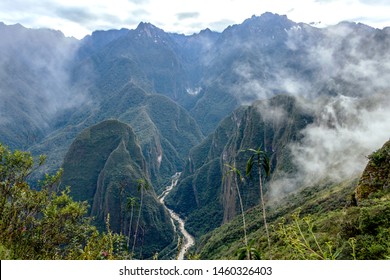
[248, 252]
[37, 224]
[131, 202]
[44, 223]
[260, 158]
[122, 186]
[233, 170]
[142, 186]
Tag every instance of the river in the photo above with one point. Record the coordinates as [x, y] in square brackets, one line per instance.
[189, 241]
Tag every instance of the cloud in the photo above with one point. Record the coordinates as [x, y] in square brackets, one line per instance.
[139, 1]
[187, 15]
[272, 113]
[76, 14]
[324, 1]
[354, 67]
[221, 24]
[78, 18]
[36, 81]
[375, 2]
[137, 13]
[74, 18]
[335, 147]
[346, 131]
[342, 78]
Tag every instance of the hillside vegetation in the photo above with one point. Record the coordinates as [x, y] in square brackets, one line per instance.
[47, 223]
[323, 221]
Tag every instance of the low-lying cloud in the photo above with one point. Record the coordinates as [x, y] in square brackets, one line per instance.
[353, 67]
[342, 75]
[35, 72]
[346, 131]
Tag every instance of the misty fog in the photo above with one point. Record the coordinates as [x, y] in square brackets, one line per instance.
[341, 74]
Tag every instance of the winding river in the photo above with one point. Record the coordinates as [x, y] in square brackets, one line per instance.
[189, 241]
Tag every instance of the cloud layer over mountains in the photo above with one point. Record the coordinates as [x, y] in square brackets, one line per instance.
[351, 124]
[341, 75]
[345, 85]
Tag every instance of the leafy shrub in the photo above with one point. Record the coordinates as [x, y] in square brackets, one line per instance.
[45, 223]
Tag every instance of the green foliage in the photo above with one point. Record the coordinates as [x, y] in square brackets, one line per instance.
[379, 156]
[142, 186]
[317, 222]
[376, 176]
[236, 173]
[248, 252]
[131, 203]
[45, 223]
[300, 237]
[193, 256]
[263, 165]
[260, 157]
[372, 234]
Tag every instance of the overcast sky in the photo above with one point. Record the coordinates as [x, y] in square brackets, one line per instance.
[80, 17]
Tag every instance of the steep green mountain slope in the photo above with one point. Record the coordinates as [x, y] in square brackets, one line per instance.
[166, 131]
[151, 57]
[202, 196]
[103, 167]
[332, 223]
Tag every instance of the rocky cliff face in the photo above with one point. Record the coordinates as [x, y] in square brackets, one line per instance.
[376, 175]
[103, 166]
[206, 192]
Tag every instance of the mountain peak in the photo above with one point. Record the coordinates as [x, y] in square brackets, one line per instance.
[148, 30]
[355, 26]
[267, 28]
[147, 26]
[206, 31]
[267, 18]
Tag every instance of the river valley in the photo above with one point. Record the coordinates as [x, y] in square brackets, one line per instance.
[188, 240]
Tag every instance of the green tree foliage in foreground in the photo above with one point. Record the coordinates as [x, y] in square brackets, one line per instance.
[45, 223]
[262, 162]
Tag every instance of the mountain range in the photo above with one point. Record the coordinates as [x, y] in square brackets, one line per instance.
[124, 105]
